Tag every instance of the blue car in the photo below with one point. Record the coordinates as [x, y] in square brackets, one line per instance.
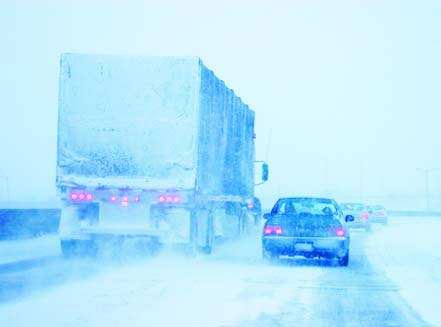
[308, 227]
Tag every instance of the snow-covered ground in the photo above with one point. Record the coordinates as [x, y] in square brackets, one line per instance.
[34, 248]
[170, 290]
[409, 252]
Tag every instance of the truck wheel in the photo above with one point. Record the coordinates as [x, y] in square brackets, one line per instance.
[78, 248]
[243, 222]
[193, 231]
[209, 237]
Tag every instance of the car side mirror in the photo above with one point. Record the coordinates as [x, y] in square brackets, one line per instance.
[266, 215]
[349, 218]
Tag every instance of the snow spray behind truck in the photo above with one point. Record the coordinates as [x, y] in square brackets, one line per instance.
[156, 148]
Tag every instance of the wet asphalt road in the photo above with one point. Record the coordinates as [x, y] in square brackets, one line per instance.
[358, 295]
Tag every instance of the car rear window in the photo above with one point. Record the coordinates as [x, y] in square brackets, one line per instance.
[313, 206]
[352, 206]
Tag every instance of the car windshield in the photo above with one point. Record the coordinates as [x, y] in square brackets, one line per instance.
[313, 206]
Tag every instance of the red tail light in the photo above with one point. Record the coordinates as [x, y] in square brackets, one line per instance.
[364, 215]
[81, 196]
[169, 198]
[113, 198]
[268, 230]
[340, 232]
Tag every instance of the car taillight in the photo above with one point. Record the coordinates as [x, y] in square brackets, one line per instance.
[113, 198]
[269, 230]
[364, 215]
[340, 232]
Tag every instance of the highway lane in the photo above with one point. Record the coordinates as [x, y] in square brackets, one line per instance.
[356, 296]
[247, 292]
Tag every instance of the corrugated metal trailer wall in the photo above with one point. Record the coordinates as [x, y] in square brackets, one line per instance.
[226, 144]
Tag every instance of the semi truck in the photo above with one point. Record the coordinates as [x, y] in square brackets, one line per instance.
[156, 149]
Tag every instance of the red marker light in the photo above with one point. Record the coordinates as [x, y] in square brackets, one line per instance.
[113, 198]
[73, 196]
[136, 199]
[89, 196]
[81, 196]
[161, 198]
[125, 198]
[168, 198]
[176, 199]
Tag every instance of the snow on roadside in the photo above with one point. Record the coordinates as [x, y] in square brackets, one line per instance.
[409, 252]
[169, 290]
[34, 248]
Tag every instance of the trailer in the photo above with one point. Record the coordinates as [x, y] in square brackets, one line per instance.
[153, 148]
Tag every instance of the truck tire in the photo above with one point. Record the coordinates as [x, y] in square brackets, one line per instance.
[209, 236]
[193, 231]
[243, 222]
[78, 248]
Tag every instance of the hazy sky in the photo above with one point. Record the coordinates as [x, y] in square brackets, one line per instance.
[346, 93]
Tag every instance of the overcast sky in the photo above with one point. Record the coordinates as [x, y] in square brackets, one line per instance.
[346, 93]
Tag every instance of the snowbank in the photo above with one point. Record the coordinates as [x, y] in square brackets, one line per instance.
[409, 252]
[17, 250]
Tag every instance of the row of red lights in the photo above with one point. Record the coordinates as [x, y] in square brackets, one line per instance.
[169, 199]
[81, 196]
[74, 196]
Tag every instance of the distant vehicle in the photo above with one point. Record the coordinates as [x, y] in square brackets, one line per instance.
[305, 226]
[360, 213]
[378, 214]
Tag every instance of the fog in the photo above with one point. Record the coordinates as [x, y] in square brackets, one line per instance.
[346, 93]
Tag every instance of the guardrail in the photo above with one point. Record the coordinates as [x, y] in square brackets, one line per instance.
[25, 223]
[400, 213]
